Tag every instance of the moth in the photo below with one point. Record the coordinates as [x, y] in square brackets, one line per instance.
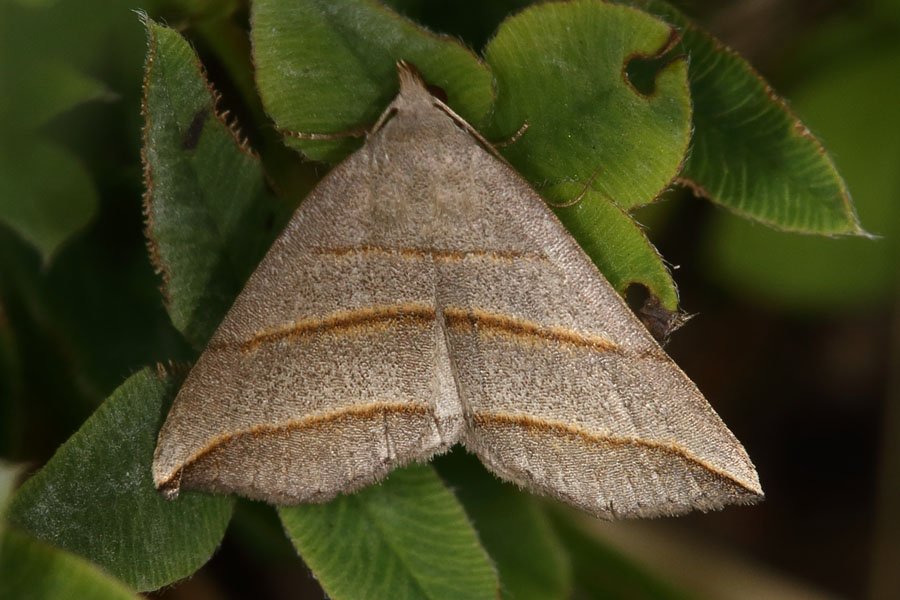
[423, 295]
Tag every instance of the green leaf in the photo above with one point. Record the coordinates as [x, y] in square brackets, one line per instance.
[616, 243]
[46, 195]
[811, 273]
[330, 67]
[46, 53]
[750, 152]
[530, 559]
[210, 215]
[560, 68]
[43, 89]
[292, 51]
[404, 538]
[96, 498]
[31, 570]
[602, 571]
[57, 31]
[40, 81]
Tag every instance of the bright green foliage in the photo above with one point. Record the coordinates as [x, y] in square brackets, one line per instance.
[595, 140]
[616, 244]
[752, 155]
[749, 151]
[33, 570]
[310, 87]
[211, 217]
[819, 273]
[404, 538]
[96, 498]
[590, 129]
[586, 123]
[528, 555]
[330, 67]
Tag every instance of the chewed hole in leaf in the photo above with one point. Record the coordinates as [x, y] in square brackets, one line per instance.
[438, 92]
[636, 294]
[641, 70]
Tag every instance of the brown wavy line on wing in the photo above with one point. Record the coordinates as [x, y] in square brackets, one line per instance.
[461, 319]
[374, 411]
[360, 320]
[437, 255]
[558, 429]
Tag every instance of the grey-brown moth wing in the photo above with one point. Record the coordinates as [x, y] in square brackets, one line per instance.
[331, 367]
[564, 391]
[423, 295]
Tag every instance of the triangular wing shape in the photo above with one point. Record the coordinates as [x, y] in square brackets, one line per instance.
[422, 295]
[331, 367]
[564, 391]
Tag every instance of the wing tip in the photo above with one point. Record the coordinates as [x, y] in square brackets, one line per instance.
[168, 485]
[704, 504]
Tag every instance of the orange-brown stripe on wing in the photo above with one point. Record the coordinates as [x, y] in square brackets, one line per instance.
[557, 429]
[374, 411]
[350, 322]
[523, 330]
[432, 253]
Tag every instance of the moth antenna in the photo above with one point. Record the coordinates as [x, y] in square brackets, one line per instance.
[578, 198]
[515, 137]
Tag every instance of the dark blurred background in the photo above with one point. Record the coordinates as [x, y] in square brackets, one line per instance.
[796, 339]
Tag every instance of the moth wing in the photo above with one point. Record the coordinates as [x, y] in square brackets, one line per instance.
[423, 293]
[330, 368]
[564, 391]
